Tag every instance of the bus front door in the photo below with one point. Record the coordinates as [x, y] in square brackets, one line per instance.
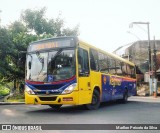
[84, 84]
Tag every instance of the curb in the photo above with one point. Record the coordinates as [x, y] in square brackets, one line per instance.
[14, 103]
[147, 97]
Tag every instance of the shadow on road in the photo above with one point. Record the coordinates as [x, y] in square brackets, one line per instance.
[63, 109]
[106, 106]
[77, 109]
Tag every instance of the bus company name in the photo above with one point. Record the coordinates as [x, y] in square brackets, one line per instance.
[115, 81]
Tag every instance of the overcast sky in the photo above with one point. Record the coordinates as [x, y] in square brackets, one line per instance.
[103, 23]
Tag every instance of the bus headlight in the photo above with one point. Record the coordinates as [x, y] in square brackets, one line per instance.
[69, 89]
[29, 90]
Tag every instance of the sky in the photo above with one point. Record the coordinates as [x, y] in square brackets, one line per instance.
[103, 23]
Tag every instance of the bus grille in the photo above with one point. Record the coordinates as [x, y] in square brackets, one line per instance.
[47, 98]
[48, 87]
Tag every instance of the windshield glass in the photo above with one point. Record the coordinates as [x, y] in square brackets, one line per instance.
[61, 65]
[51, 66]
[38, 67]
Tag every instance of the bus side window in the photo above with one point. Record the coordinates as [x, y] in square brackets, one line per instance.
[124, 69]
[83, 62]
[118, 68]
[112, 66]
[94, 62]
[103, 66]
[133, 73]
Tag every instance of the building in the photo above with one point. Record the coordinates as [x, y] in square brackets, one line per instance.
[137, 52]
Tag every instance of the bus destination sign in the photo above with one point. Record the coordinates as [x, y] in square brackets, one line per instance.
[50, 44]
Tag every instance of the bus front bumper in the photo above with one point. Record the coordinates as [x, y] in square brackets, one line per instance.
[71, 98]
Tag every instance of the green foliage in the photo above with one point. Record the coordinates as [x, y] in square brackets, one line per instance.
[68, 31]
[16, 37]
[16, 97]
[4, 90]
[36, 21]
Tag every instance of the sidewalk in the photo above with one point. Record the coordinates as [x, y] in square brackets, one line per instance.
[147, 97]
[144, 98]
[13, 103]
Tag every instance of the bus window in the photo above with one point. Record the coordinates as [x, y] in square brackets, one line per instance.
[133, 74]
[103, 66]
[128, 71]
[83, 62]
[61, 64]
[112, 66]
[124, 69]
[94, 60]
[118, 68]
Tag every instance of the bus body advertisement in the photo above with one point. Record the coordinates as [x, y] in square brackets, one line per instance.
[66, 70]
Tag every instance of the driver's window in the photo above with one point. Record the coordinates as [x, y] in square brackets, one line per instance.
[83, 62]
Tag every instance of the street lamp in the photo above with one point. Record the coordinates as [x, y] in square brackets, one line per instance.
[149, 50]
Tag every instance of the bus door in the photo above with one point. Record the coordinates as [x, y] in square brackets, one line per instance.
[84, 84]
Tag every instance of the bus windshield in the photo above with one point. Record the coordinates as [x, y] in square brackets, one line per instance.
[51, 66]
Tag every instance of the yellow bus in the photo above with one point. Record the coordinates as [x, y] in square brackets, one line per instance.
[65, 70]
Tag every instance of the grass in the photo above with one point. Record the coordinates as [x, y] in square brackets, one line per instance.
[4, 90]
[16, 98]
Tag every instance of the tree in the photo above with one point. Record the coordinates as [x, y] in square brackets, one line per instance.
[5, 48]
[36, 21]
[17, 36]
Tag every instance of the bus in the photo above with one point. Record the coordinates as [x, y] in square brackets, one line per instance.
[68, 71]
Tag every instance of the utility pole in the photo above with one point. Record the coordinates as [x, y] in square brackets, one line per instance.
[0, 17]
[149, 52]
[155, 69]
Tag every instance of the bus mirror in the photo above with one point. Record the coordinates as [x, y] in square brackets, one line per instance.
[29, 64]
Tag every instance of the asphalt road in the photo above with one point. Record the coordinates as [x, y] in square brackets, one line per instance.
[136, 111]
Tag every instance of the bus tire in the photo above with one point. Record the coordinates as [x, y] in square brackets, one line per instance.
[95, 101]
[55, 107]
[125, 97]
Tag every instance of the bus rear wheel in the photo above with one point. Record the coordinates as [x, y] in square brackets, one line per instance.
[55, 107]
[125, 97]
[95, 101]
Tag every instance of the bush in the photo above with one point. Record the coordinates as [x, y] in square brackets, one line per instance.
[4, 90]
[16, 97]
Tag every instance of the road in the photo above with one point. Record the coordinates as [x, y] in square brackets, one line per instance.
[136, 111]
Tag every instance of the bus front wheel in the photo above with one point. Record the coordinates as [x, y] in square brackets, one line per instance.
[95, 101]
